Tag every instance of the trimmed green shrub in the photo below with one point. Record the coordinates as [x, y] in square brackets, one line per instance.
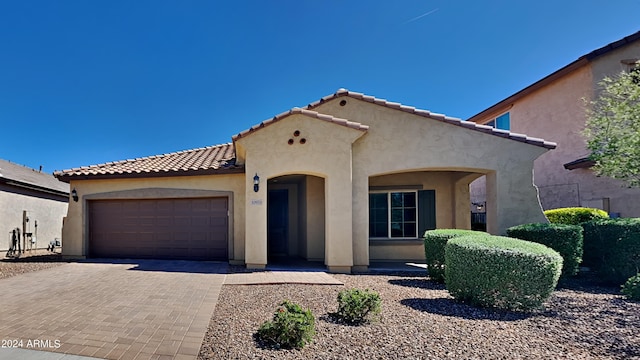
[434, 243]
[501, 272]
[291, 327]
[357, 306]
[565, 239]
[612, 248]
[574, 215]
[631, 288]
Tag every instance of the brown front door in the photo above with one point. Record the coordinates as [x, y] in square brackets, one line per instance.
[190, 229]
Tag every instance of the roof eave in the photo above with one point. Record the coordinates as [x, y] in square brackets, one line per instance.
[583, 163]
[581, 61]
[300, 111]
[34, 187]
[151, 174]
[499, 106]
[435, 116]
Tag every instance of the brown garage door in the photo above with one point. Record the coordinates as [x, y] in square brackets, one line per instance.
[193, 229]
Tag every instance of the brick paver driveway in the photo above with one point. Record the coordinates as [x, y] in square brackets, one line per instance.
[147, 309]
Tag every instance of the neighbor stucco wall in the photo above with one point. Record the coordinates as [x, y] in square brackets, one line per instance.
[557, 112]
[47, 212]
[399, 142]
[75, 232]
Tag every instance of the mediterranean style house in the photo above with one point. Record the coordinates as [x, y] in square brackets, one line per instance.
[555, 108]
[345, 180]
[32, 201]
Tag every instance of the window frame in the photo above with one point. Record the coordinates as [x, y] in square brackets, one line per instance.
[389, 219]
[494, 121]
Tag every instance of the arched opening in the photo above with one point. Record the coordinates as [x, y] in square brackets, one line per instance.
[295, 220]
[403, 205]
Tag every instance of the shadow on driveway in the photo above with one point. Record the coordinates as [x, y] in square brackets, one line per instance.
[177, 266]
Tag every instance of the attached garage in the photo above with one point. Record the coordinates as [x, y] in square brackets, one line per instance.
[176, 228]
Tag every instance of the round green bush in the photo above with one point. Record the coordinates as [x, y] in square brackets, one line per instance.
[291, 327]
[631, 288]
[501, 272]
[612, 248]
[434, 243]
[565, 239]
[574, 215]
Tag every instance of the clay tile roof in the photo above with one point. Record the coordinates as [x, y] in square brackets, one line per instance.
[435, 116]
[211, 159]
[306, 112]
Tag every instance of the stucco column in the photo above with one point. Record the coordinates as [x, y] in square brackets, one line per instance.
[360, 221]
[512, 199]
[255, 221]
[462, 201]
[74, 236]
[338, 225]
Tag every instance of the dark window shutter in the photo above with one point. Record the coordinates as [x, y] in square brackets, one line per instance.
[426, 211]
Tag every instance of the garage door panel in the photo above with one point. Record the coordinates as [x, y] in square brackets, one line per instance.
[182, 222]
[159, 228]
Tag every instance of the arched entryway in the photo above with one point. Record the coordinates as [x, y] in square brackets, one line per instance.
[295, 219]
[403, 205]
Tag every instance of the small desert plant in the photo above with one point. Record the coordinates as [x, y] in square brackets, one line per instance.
[357, 306]
[631, 289]
[291, 327]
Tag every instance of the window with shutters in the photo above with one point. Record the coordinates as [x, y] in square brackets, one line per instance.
[401, 214]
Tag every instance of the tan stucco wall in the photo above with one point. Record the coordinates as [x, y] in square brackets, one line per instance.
[399, 142]
[398, 148]
[326, 154]
[48, 213]
[557, 113]
[75, 230]
[315, 218]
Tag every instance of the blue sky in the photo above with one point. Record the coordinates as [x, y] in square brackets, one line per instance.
[86, 82]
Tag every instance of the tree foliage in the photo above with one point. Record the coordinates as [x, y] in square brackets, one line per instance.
[613, 128]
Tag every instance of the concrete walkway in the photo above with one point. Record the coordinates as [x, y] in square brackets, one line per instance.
[143, 309]
[282, 277]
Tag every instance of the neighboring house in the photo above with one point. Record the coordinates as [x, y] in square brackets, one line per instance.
[28, 193]
[554, 108]
[347, 180]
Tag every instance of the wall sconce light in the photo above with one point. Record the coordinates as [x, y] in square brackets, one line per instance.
[74, 195]
[256, 183]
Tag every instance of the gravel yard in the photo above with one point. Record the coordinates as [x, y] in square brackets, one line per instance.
[420, 321]
[29, 262]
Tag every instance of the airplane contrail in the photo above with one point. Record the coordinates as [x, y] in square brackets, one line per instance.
[421, 16]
